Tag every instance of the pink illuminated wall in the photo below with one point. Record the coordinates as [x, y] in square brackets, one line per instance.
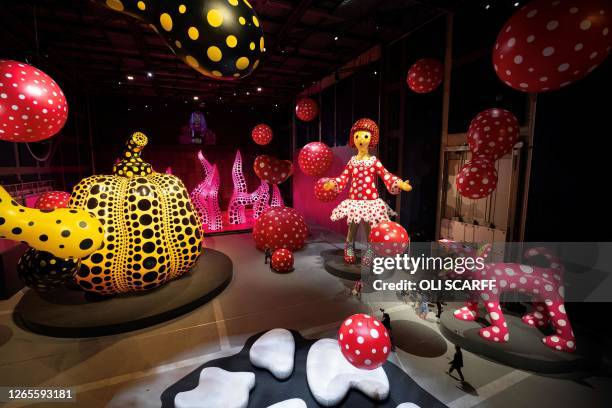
[314, 211]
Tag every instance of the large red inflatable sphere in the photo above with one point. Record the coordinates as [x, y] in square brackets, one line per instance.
[282, 260]
[477, 179]
[280, 227]
[262, 134]
[50, 200]
[389, 238]
[315, 159]
[493, 133]
[32, 105]
[425, 75]
[549, 44]
[364, 341]
[306, 109]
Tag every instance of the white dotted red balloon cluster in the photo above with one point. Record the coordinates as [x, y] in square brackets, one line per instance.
[273, 170]
[280, 227]
[549, 44]
[32, 105]
[389, 238]
[262, 134]
[493, 133]
[306, 109]
[477, 179]
[425, 75]
[315, 158]
[321, 193]
[282, 260]
[51, 200]
[364, 341]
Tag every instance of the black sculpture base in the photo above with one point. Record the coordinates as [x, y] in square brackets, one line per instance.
[333, 259]
[524, 350]
[74, 313]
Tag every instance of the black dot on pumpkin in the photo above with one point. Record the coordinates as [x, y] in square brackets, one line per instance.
[145, 219]
[149, 276]
[85, 284]
[86, 244]
[65, 233]
[16, 230]
[96, 258]
[43, 238]
[2, 220]
[97, 279]
[92, 203]
[148, 247]
[144, 205]
[150, 262]
[82, 224]
[148, 233]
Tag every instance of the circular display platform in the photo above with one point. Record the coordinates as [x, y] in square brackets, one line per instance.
[524, 350]
[333, 260]
[74, 313]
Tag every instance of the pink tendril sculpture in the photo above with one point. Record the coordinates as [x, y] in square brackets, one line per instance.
[241, 198]
[277, 198]
[205, 196]
[544, 285]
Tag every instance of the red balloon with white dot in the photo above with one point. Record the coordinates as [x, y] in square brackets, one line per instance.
[321, 193]
[425, 75]
[51, 200]
[280, 227]
[364, 341]
[32, 105]
[262, 134]
[389, 238]
[493, 133]
[547, 44]
[306, 109]
[282, 260]
[477, 179]
[315, 159]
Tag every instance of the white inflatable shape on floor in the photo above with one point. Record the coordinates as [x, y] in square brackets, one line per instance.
[274, 351]
[218, 388]
[330, 376]
[290, 403]
[407, 405]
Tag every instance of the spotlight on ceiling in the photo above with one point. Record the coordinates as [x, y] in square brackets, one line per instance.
[516, 4]
[259, 89]
[336, 38]
[248, 93]
[487, 6]
[149, 74]
[195, 98]
[130, 78]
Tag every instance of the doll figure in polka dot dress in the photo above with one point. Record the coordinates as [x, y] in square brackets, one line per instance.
[364, 204]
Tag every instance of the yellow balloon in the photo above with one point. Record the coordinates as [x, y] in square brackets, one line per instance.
[63, 232]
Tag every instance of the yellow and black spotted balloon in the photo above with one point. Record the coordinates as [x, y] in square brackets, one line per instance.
[151, 232]
[44, 272]
[222, 39]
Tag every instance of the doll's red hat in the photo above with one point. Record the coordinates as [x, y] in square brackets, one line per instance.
[367, 125]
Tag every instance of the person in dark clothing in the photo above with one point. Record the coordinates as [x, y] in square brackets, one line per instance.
[439, 309]
[386, 321]
[268, 254]
[457, 363]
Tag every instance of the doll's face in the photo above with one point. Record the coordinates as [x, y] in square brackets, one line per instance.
[362, 138]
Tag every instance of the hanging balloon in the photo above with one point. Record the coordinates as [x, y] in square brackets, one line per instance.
[315, 158]
[32, 105]
[262, 134]
[271, 169]
[425, 75]
[306, 109]
[493, 133]
[477, 179]
[321, 193]
[221, 39]
[548, 44]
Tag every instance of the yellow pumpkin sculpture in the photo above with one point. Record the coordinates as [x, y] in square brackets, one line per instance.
[151, 232]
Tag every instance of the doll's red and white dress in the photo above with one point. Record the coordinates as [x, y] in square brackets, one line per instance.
[364, 203]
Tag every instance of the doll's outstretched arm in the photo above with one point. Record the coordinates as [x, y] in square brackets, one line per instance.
[339, 183]
[393, 183]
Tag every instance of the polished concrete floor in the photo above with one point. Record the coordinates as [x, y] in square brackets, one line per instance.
[132, 369]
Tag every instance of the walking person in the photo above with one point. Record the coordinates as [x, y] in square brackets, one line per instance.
[357, 289]
[268, 255]
[457, 363]
[439, 310]
[423, 308]
[386, 321]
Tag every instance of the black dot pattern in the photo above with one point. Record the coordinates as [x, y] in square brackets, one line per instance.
[151, 232]
[44, 272]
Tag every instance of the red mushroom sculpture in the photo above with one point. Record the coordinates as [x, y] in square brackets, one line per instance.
[364, 341]
[389, 238]
[282, 260]
[51, 200]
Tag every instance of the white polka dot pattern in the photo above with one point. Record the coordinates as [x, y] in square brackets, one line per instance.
[280, 227]
[321, 193]
[493, 133]
[315, 159]
[51, 200]
[389, 238]
[262, 134]
[32, 105]
[282, 260]
[549, 44]
[477, 178]
[306, 109]
[425, 75]
[364, 341]
[271, 169]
